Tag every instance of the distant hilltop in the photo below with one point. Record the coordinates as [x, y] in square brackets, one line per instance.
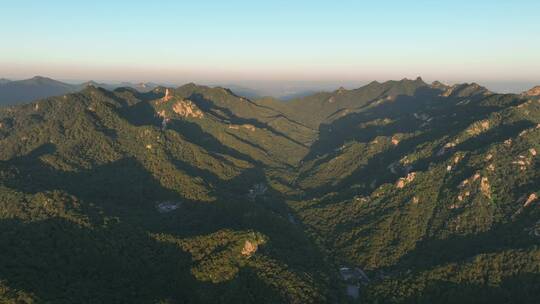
[23, 91]
[533, 92]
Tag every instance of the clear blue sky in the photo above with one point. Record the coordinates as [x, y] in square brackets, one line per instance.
[235, 40]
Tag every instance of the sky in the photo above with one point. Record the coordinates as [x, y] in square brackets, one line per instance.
[252, 42]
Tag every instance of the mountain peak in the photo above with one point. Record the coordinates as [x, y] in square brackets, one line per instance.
[465, 89]
[535, 91]
[38, 78]
[439, 85]
[340, 90]
[90, 83]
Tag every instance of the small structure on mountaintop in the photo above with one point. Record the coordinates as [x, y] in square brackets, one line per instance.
[353, 274]
[168, 206]
[257, 190]
[485, 187]
[353, 277]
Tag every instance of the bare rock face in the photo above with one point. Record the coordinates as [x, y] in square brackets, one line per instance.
[249, 127]
[533, 92]
[448, 91]
[186, 108]
[249, 248]
[479, 127]
[533, 197]
[485, 187]
[402, 182]
[245, 126]
[167, 96]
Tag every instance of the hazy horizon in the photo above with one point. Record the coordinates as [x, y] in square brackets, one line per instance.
[280, 89]
[274, 44]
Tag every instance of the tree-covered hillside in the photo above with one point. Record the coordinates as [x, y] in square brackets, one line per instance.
[197, 195]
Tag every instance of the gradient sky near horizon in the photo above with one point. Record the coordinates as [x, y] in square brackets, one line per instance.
[228, 41]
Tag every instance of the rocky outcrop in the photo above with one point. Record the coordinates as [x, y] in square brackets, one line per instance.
[245, 126]
[167, 96]
[465, 90]
[249, 127]
[439, 85]
[533, 92]
[485, 187]
[478, 127]
[186, 108]
[402, 182]
[524, 162]
[249, 248]
[533, 197]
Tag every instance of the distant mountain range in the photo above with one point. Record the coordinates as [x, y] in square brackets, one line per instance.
[24, 91]
[20, 91]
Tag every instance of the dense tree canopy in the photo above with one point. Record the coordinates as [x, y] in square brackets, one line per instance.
[197, 195]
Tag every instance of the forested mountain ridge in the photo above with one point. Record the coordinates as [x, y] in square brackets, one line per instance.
[14, 92]
[197, 195]
[435, 194]
[20, 91]
[83, 179]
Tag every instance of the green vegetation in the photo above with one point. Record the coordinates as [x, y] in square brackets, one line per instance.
[122, 196]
